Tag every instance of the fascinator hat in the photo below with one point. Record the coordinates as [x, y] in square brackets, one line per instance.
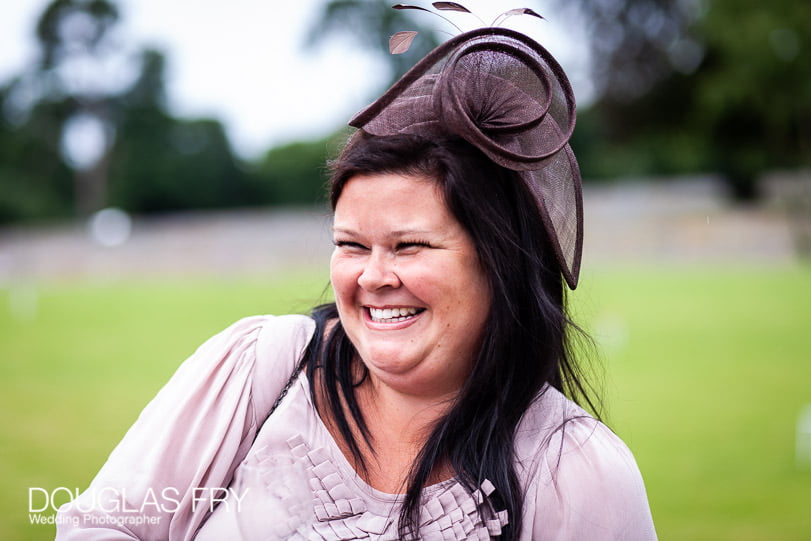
[505, 94]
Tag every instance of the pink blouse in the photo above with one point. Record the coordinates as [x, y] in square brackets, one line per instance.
[201, 463]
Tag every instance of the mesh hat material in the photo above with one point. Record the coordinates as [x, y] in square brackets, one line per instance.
[505, 94]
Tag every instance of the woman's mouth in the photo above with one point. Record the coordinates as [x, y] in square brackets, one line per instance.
[393, 315]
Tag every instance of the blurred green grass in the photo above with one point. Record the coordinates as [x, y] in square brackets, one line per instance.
[706, 370]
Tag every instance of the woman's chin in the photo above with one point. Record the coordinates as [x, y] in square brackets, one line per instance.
[387, 361]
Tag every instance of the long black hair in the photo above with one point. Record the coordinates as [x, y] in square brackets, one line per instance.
[525, 345]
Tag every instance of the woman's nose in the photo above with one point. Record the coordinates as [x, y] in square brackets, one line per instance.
[378, 272]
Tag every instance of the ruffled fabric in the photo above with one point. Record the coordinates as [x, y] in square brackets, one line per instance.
[339, 513]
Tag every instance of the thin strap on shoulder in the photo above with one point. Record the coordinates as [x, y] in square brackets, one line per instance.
[281, 396]
[286, 387]
[306, 355]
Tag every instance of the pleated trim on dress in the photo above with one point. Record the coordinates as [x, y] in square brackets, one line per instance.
[451, 514]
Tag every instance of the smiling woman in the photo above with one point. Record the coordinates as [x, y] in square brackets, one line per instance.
[467, 375]
[436, 398]
[410, 291]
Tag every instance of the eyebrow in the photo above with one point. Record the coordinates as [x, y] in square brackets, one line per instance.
[396, 233]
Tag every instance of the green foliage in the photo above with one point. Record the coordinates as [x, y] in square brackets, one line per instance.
[294, 173]
[161, 163]
[707, 86]
[683, 87]
[754, 87]
[706, 371]
[34, 180]
[150, 160]
[168, 164]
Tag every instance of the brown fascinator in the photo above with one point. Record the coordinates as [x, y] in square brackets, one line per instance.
[505, 94]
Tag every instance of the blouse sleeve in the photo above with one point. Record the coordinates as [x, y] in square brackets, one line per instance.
[587, 486]
[177, 460]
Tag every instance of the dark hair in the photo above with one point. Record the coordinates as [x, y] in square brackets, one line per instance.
[525, 344]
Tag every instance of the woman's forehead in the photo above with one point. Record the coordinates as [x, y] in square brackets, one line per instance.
[392, 187]
[399, 204]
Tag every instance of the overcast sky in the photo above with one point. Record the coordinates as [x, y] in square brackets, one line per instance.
[243, 61]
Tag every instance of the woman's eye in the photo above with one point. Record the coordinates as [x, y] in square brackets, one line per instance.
[412, 245]
[349, 244]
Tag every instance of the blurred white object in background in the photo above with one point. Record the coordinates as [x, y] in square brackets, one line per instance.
[110, 227]
[804, 438]
[23, 302]
[84, 141]
[611, 332]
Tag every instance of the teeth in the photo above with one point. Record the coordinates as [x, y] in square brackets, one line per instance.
[391, 315]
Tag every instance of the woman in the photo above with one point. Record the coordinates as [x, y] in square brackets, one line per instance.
[429, 401]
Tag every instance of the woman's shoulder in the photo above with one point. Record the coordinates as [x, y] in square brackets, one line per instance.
[555, 433]
[280, 345]
[576, 470]
[263, 336]
[269, 326]
[274, 334]
[270, 347]
[255, 353]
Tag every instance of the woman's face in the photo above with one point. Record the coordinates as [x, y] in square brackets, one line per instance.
[410, 291]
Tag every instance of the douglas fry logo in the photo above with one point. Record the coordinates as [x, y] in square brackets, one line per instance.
[110, 505]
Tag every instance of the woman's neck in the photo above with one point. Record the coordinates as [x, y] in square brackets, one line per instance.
[398, 425]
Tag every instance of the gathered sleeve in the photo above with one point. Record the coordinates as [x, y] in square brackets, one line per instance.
[586, 485]
[178, 459]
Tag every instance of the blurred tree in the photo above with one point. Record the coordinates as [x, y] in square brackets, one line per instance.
[160, 163]
[73, 115]
[636, 43]
[75, 49]
[686, 85]
[295, 173]
[34, 180]
[753, 88]
[62, 107]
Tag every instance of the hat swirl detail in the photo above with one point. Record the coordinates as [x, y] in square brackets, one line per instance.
[505, 94]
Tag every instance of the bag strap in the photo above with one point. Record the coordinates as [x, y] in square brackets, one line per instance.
[297, 368]
[285, 389]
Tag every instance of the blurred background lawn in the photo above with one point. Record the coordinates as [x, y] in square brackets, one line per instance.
[706, 370]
